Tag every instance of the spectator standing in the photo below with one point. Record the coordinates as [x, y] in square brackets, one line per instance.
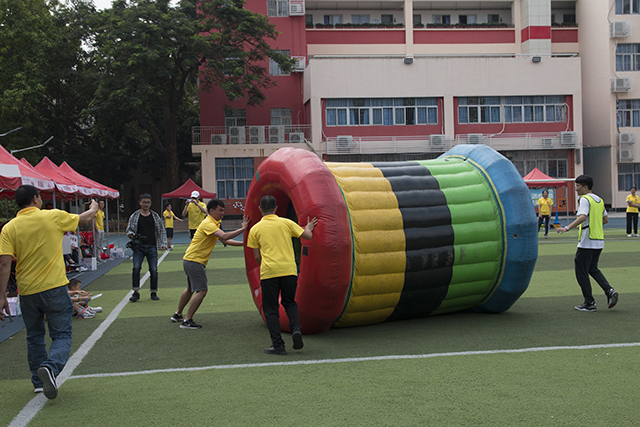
[34, 237]
[196, 258]
[270, 239]
[148, 227]
[196, 210]
[633, 201]
[545, 204]
[591, 217]
[169, 216]
[99, 222]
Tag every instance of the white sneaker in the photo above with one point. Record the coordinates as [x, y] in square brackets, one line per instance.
[96, 309]
[86, 314]
[637, 235]
[628, 235]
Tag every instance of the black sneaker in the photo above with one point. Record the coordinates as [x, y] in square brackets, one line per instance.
[297, 339]
[49, 387]
[586, 306]
[612, 298]
[135, 296]
[190, 324]
[154, 296]
[177, 317]
[273, 350]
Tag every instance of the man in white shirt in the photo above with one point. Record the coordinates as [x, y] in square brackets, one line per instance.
[591, 217]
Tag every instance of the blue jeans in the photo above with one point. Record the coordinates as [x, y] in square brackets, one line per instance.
[151, 252]
[57, 306]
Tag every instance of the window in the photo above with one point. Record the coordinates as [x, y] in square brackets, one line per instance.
[386, 19]
[569, 18]
[233, 176]
[530, 109]
[281, 116]
[627, 7]
[332, 19]
[308, 19]
[467, 19]
[274, 68]
[359, 19]
[552, 162]
[479, 110]
[629, 113]
[628, 176]
[277, 8]
[417, 19]
[444, 19]
[628, 57]
[382, 111]
[235, 117]
[493, 19]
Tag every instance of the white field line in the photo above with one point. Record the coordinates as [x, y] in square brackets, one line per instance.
[358, 359]
[32, 408]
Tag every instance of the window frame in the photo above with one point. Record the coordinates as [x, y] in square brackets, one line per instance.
[274, 68]
[421, 111]
[234, 177]
[277, 8]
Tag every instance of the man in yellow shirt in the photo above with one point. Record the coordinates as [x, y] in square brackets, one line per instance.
[169, 216]
[195, 261]
[34, 237]
[196, 210]
[545, 204]
[99, 222]
[633, 201]
[272, 248]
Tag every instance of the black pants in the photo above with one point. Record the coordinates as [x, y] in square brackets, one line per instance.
[546, 223]
[586, 263]
[285, 287]
[632, 217]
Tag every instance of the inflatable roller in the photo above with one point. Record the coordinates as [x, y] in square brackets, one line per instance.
[400, 240]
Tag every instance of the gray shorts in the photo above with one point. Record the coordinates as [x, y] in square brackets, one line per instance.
[196, 275]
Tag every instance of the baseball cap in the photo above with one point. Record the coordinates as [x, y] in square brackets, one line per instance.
[195, 194]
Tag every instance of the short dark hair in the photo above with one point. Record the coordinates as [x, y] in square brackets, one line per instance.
[168, 204]
[144, 196]
[25, 194]
[73, 283]
[214, 203]
[633, 188]
[585, 180]
[268, 203]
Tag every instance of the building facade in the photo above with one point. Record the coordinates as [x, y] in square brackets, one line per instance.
[408, 79]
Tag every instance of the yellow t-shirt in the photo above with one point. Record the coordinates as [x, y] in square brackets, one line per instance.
[273, 236]
[203, 241]
[545, 205]
[35, 238]
[168, 218]
[634, 200]
[100, 220]
[195, 215]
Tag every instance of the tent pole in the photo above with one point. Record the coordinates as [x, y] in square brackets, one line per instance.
[106, 212]
[118, 218]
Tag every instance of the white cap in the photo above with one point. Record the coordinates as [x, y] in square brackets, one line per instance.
[195, 194]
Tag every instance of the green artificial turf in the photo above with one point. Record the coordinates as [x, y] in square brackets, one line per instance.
[585, 386]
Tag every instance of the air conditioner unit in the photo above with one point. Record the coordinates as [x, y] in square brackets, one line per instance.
[626, 138]
[438, 140]
[276, 134]
[237, 135]
[300, 65]
[568, 139]
[344, 142]
[474, 138]
[256, 134]
[219, 139]
[620, 84]
[547, 142]
[296, 137]
[296, 9]
[626, 156]
[619, 29]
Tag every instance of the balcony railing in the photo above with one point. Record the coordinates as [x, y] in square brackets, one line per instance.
[264, 134]
[347, 144]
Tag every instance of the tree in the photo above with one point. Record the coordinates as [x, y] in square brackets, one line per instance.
[149, 53]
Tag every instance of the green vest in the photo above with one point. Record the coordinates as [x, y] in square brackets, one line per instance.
[596, 211]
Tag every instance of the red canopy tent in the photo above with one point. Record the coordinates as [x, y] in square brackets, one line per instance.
[185, 190]
[9, 182]
[100, 190]
[64, 184]
[538, 179]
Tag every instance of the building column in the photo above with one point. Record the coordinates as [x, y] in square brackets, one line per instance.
[535, 19]
[408, 27]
